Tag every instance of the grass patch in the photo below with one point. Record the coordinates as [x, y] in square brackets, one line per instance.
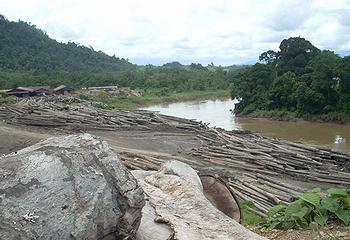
[275, 114]
[153, 97]
[4, 97]
[249, 217]
[282, 115]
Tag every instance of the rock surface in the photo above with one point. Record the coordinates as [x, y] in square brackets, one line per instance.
[176, 195]
[70, 187]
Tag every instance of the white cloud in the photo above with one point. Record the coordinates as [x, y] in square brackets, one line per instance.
[220, 31]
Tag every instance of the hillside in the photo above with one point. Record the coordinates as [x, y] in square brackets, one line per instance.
[23, 47]
[29, 57]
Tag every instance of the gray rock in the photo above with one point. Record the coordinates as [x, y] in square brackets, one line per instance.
[70, 187]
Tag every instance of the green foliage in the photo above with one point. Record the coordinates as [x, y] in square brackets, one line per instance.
[83, 97]
[6, 96]
[28, 57]
[311, 206]
[249, 217]
[284, 93]
[302, 79]
[251, 85]
[294, 55]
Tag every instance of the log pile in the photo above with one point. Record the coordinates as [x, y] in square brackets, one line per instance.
[262, 155]
[258, 169]
[267, 164]
[70, 113]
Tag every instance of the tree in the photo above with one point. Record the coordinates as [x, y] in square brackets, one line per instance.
[301, 79]
[269, 57]
[294, 55]
[251, 86]
[344, 85]
[325, 67]
[283, 92]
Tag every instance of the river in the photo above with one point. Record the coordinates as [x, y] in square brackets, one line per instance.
[217, 114]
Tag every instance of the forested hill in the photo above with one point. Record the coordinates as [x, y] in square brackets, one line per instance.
[299, 79]
[29, 57]
[24, 47]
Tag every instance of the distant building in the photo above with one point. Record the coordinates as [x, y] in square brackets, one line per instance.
[21, 92]
[30, 91]
[39, 91]
[63, 90]
[42, 90]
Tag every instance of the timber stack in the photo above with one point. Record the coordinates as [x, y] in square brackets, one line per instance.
[258, 169]
[71, 113]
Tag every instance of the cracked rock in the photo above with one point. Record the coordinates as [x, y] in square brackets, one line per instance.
[68, 187]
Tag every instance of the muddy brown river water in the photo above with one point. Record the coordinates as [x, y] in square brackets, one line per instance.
[217, 113]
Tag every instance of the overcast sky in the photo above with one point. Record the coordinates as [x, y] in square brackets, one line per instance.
[224, 32]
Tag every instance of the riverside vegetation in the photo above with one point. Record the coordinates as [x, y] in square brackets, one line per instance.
[300, 80]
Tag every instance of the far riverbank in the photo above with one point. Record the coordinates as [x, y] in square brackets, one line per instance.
[149, 98]
[280, 115]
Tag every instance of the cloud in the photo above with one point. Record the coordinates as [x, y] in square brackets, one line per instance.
[289, 15]
[155, 31]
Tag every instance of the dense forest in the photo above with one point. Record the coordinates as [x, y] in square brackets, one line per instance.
[299, 78]
[29, 57]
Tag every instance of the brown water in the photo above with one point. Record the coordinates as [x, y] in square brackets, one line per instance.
[217, 113]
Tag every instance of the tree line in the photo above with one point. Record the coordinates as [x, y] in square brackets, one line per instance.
[29, 57]
[299, 78]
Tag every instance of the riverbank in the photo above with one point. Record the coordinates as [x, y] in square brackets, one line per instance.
[279, 115]
[149, 98]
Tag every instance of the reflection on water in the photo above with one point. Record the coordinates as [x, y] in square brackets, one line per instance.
[217, 113]
[339, 139]
[214, 112]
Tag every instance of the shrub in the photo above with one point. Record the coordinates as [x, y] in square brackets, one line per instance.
[311, 207]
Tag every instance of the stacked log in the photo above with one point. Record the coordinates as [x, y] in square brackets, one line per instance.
[272, 157]
[69, 113]
[257, 168]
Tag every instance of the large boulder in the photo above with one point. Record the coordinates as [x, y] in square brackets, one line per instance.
[177, 207]
[68, 187]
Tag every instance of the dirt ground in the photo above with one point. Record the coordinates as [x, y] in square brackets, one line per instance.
[13, 139]
[165, 142]
[331, 232]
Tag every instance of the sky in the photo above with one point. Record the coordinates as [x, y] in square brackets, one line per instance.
[223, 32]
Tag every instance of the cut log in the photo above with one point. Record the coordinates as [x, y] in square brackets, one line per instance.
[221, 196]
